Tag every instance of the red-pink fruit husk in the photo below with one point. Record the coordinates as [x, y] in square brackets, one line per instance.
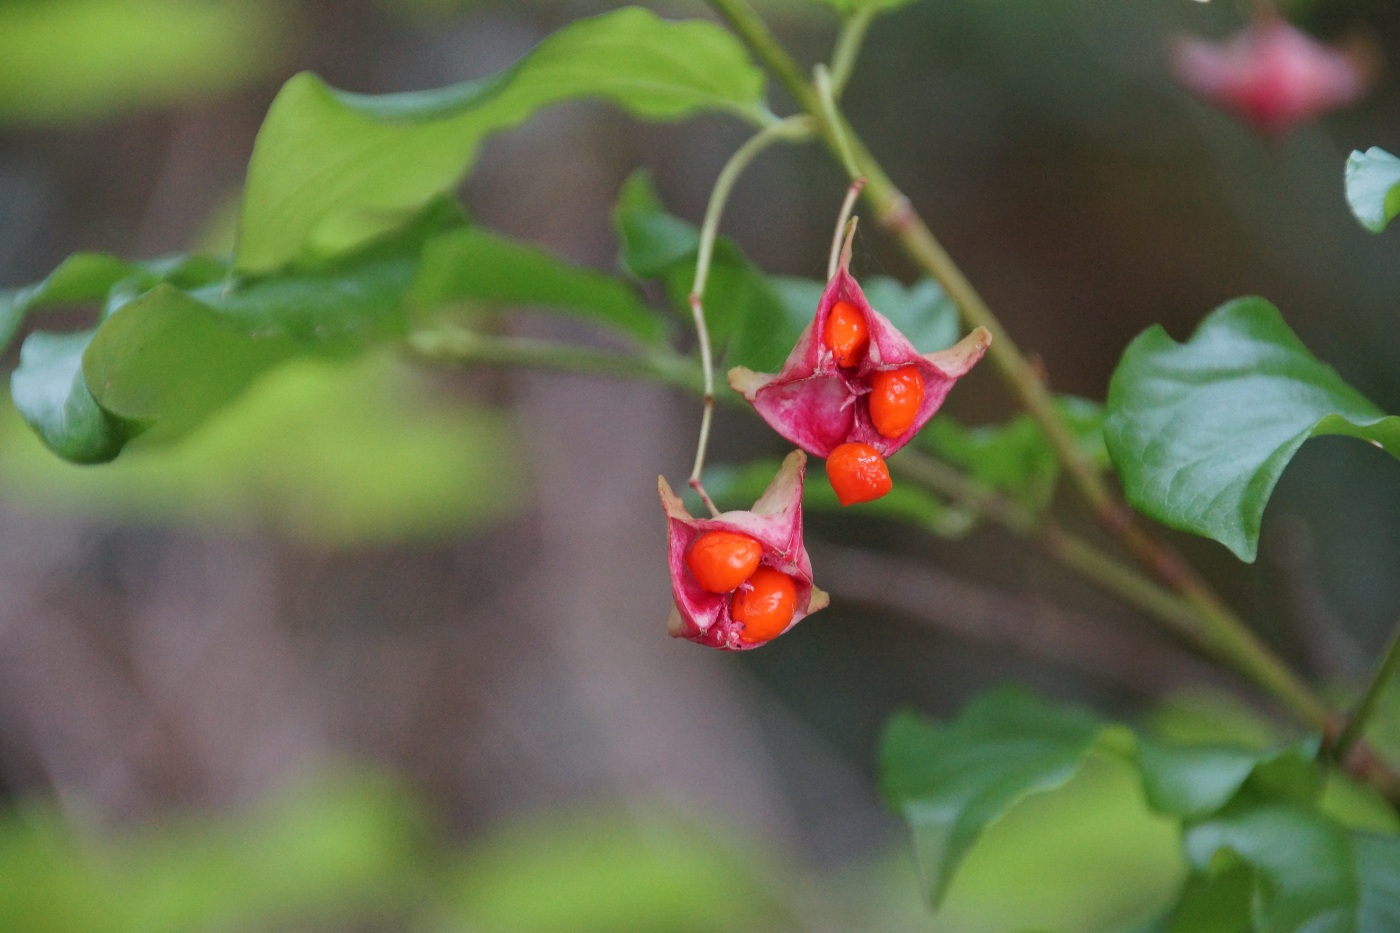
[775, 521]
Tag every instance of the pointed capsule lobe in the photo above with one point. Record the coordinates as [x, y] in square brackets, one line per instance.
[1271, 74]
[775, 523]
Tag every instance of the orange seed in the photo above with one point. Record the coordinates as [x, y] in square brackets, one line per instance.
[895, 397]
[721, 560]
[765, 605]
[846, 334]
[858, 473]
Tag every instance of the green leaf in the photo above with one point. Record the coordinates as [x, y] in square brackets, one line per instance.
[1373, 187]
[653, 241]
[1016, 457]
[749, 323]
[81, 277]
[951, 782]
[473, 264]
[1086, 856]
[333, 453]
[1195, 781]
[167, 359]
[1309, 874]
[49, 391]
[1200, 432]
[328, 167]
[1215, 902]
[164, 358]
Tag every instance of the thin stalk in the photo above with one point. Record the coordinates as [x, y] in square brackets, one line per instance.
[458, 345]
[841, 234]
[847, 50]
[1222, 633]
[791, 128]
[1109, 573]
[1355, 726]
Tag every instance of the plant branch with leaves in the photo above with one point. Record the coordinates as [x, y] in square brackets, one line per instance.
[339, 250]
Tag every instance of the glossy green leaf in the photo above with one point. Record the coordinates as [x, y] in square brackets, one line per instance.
[950, 782]
[1373, 187]
[85, 278]
[1195, 781]
[473, 264]
[1200, 432]
[749, 323]
[1087, 856]
[654, 242]
[49, 391]
[1309, 874]
[1015, 457]
[331, 168]
[1215, 902]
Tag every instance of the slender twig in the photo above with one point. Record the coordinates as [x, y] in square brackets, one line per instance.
[847, 50]
[789, 129]
[458, 345]
[841, 234]
[1355, 725]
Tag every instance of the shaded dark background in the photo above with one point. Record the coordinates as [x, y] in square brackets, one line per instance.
[517, 663]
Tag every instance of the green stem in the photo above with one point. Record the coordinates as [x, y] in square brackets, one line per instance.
[458, 345]
[1111, 574]
[1355, 725]
[848, 43]
[789, 129]
[1221, 632]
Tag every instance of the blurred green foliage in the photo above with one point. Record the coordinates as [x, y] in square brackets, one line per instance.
[69, 60]
[330, 452]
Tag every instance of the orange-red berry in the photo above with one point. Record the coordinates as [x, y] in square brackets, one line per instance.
[765, 605]
[858, 473]
[895, 397]
[846, 334]
[721, 560]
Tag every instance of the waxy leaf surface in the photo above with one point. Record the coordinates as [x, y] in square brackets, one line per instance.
[1200, 432]
[48, 389]
[1373, 187]
[950, 782]
[331, 168]
[1309, 874]
[747, 318]
[474, 264]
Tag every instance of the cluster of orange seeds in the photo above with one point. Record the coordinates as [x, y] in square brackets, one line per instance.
[856, 470]
[764, 599]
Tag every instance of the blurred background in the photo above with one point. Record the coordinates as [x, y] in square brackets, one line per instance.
[383, 647]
